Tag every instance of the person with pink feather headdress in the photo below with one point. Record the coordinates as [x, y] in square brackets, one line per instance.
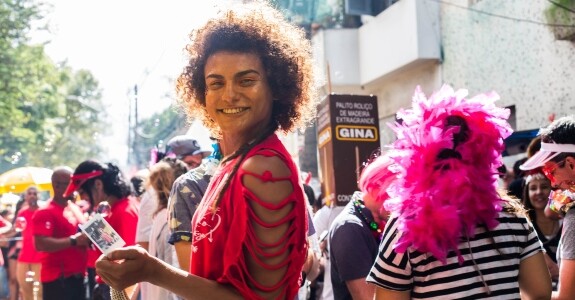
[355, 233]
[451, 234]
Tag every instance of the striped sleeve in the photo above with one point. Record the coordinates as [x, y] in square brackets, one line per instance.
[391, 270]
[532, 244]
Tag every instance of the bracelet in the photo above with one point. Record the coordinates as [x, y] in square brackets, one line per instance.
[73, 241]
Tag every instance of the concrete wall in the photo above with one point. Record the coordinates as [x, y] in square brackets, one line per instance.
[407, 33]
[337, 50]
[521, 61]
[395, 91]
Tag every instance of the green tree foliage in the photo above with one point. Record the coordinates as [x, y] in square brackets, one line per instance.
[154, 132]
[72, 134]
[15, 20]
[49, 114]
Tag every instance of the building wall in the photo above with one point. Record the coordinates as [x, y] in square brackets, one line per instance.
[395, 91]
[521, 61]
[394, 52]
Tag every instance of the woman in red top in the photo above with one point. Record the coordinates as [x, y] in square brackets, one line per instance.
[99, 182]
[249, 75]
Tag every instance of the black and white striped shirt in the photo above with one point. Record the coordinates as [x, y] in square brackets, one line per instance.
[497, 254]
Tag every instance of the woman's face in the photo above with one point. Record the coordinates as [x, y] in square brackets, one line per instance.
[95, 194]
[539, 189]
[238, 96]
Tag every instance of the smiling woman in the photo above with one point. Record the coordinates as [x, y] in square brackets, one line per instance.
[284, 55]
[535, 197]
[238, 96]
[249, 75]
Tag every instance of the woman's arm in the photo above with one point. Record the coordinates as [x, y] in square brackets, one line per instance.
[359, 289]
[534, 279]
[183, 252]
[384, 294]
[124, 267]
[271, 209]
[127, 266]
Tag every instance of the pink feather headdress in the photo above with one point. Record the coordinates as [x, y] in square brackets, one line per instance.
[447, 152]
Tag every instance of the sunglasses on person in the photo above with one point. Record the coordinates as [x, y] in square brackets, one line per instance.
[549, 169]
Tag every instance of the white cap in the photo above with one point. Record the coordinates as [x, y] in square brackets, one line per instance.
[545, 154]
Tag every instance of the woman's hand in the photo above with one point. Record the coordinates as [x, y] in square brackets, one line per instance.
[126, 266]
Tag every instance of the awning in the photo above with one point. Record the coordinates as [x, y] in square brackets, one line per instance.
[517, 142]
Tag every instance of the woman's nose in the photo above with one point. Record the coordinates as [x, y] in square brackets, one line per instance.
[230, 93]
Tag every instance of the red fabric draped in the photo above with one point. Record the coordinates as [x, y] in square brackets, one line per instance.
[222, 239]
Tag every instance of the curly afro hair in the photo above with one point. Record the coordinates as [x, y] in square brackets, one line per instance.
[283, 49]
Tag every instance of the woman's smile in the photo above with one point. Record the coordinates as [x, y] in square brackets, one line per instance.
[232, 111]
[539, 201]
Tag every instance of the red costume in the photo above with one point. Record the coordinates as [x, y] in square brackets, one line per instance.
[222, 238]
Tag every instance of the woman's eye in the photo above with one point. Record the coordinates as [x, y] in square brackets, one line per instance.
[215, 84]
[247, 82]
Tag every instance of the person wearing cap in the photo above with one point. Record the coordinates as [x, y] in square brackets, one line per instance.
[557, 159]
[186, 193]
[105, 183]
[56, 235]
[187, 150]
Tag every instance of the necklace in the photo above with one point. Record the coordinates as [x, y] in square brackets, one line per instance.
[359, 208]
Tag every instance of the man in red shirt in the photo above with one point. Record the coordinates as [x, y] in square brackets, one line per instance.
[56, 234]
[28, 268]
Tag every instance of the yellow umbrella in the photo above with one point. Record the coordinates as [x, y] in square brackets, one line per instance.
[17, 180]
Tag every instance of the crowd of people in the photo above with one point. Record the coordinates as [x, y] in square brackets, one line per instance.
[428, 220]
